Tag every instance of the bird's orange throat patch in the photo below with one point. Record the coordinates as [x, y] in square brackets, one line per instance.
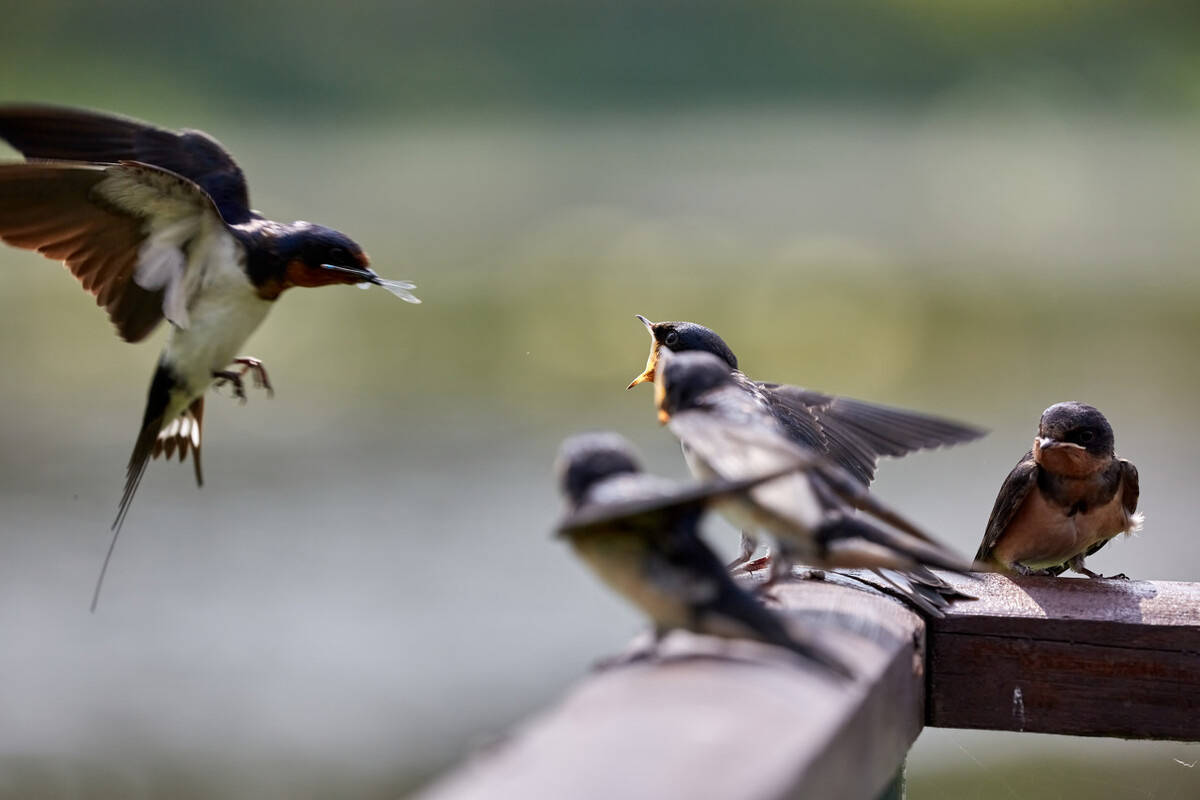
[651, 364]
[298, 273]
[1068, 460]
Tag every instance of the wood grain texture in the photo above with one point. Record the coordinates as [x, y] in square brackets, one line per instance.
[1069, 655]
[761, 726]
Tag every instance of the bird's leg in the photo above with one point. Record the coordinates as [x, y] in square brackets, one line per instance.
[749, 545]
[1076, 564]
[256, 368]
[647, 652]
[234, 378]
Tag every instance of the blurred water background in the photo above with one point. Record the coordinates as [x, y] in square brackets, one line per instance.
[974, 211]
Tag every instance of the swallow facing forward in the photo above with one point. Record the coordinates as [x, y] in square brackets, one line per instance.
[1066, 498]
[639, 534]
[853, 433]
[730, 434]
[157, 224]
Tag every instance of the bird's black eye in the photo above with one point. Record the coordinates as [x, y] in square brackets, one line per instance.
[337, 254]
[672, 339]
[1085, 437]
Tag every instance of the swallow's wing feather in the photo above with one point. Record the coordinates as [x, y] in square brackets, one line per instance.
[855, 433]
[122, 230]
[67, 134]
[654, 503]
[1130, 488]
[1013, 492]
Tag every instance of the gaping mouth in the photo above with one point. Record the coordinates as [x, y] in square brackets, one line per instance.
[367, 277]
[651, 360]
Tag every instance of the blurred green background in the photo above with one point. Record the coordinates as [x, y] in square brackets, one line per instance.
[973, 209]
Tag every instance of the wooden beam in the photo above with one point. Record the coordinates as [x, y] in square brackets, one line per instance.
[762, 726]
[1066, 655]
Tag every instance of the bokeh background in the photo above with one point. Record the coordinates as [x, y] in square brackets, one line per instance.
[973, 209]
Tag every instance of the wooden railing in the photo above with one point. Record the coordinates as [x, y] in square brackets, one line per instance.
[1054, 655]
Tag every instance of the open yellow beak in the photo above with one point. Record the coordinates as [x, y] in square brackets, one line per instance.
[648, 373]
[651, 360]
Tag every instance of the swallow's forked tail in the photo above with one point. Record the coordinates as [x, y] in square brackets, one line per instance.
[148, 445]
[133, 478]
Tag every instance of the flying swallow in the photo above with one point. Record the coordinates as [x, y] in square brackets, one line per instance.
[730, 434]
[1065, 500]
[639, 534]
[853, 433]
[157, 224]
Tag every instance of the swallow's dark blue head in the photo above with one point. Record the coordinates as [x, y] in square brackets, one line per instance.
[587, 459]
[684, 378]
[681, 337]
[1076, 424]
[318, 256]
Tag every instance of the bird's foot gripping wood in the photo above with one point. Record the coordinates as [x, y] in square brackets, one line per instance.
[234, 377]
[1076, 564]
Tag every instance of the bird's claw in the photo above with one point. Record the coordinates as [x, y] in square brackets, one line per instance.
[234, 377]
[256, 369]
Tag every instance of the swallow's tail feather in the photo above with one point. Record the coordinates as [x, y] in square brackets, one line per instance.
[738, 614]
[852, 533]
[183, 434]
[143, 449]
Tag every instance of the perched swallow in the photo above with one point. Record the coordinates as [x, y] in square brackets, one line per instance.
[638, 533]
[1065, 500]
[853, 433]
[157, 224]
[728, 433]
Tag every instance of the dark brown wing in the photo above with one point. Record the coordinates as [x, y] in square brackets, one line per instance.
[1013, 491]
[52, 209]
[1130, 488]
[67, 134]
[96, 220]
[855, 433]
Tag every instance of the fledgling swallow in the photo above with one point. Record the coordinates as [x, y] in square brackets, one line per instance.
[853, 433]
[1065, 500]
[157, 224]
[730, 434]
[639, 534]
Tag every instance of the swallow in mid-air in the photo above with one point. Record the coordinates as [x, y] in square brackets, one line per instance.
[853, 433]
[730, 434]
[1065, 500]
[639, 534]
[157, 224]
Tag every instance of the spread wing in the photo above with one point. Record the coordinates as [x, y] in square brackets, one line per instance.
[1013, 491]
[854, 433]
[654, 504]
[122, 230]
[66, 134]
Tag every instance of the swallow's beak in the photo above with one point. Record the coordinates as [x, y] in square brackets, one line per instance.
[651, 360]
[368, 277]
[363, 274]
[1047, 443]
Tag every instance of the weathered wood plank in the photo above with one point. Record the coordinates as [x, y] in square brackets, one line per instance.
[1066, 655]
[763, 726]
